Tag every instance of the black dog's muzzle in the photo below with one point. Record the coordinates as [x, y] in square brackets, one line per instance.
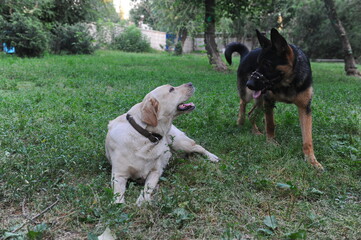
[260, 82]
[258, 76]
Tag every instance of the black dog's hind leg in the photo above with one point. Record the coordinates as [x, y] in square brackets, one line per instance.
[245, 97]
[242, 112]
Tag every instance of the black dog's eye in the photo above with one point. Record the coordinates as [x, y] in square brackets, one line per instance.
[171, 89]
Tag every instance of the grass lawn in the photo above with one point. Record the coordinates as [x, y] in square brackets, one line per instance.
[54, 113]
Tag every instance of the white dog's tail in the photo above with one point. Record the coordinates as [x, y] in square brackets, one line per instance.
[108, 155]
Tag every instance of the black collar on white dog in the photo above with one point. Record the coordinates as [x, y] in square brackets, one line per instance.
[153, 137]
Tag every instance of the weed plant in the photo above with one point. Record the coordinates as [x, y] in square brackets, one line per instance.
[54, 113]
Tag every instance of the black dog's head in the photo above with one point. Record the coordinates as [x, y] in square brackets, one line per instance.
[274, 63]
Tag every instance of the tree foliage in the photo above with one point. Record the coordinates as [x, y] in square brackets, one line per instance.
[72, 39]
[27, 24]
[73, 11]
[304, 23]
[26, 34]
[177, 15]
[60, 11]
[143, 10]
[310, 28]
[170, 15]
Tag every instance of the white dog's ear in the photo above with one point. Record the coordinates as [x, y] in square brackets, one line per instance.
[149, 112]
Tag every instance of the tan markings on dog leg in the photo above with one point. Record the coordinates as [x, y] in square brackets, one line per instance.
[270, 124]
[255, 130]
[306, 128]
[242, 112]
[303, 102]
[253, 114]
[303, 98]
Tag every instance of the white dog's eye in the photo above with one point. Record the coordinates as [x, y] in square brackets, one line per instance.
[171, 89]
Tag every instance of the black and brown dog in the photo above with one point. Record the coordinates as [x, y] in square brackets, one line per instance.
[276, 72]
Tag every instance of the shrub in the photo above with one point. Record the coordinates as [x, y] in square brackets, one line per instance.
[178, 50]
[72, 39]
[24, 33]
[131, 40]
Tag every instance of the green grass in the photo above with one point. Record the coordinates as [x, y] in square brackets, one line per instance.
[54, 113]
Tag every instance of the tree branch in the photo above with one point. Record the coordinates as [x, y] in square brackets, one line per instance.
[32, 219]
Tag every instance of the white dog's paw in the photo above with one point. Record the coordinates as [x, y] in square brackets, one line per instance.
[212, 157]
[119, 200]
[143, 198]
[140, 199]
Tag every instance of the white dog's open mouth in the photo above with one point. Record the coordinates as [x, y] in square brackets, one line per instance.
[186, 107]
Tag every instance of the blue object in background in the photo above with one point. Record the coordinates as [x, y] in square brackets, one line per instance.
[8, 50]
[171, 38]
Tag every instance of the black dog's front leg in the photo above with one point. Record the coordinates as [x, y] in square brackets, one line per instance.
[254, 114]
[270, 123]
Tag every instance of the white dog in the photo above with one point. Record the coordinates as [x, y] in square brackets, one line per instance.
[138, 142]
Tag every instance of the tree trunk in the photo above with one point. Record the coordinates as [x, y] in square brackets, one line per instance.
[350, 64]
[209, 36]
[184, 34]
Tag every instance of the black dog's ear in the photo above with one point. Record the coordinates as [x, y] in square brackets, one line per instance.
[263, 41]
[278, 42]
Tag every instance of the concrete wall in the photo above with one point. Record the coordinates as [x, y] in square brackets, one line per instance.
[105, 33]
[157, 39]
[197, 44]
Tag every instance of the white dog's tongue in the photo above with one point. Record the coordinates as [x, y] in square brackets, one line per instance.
[256, 94]
[185, 106]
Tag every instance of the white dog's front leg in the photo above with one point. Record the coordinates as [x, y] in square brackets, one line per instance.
[179, 141]
[150, 184]
[119, 184]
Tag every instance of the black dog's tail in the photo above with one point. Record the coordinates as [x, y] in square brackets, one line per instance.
[235, 47]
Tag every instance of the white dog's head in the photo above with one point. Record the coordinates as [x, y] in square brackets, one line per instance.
[166, 102]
